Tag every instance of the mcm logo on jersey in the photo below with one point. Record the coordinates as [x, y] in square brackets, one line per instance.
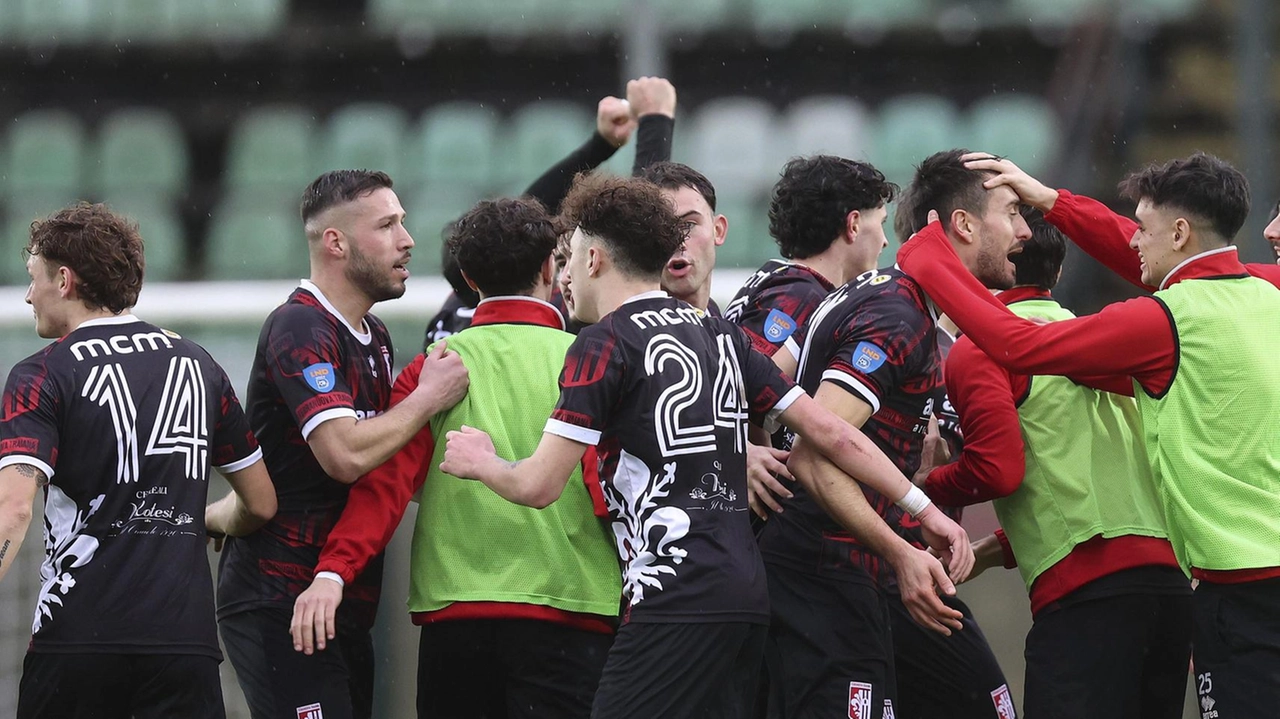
[120, 344]
[108, 387]
[1003, 702]
[182, 424]
[859, 700]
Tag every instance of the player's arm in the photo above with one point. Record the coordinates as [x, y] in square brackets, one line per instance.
[535, 482]
[250, 504]
[348, 448]
[652, 103]
[991, 551]
[18, 485]
[1132, 338]
[992, 463]
[614, 125]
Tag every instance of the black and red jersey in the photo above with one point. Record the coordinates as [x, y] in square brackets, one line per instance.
[310, 366]
[775, 302]
[124, 418]
[876, 338]
[665, 391]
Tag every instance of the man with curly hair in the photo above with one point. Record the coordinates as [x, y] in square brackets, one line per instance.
[664, 392]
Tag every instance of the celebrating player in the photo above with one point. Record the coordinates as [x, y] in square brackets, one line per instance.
[118, 422]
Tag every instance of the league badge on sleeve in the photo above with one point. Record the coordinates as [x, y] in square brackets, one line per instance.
[319, 376]
[868, 357]
[778, 326]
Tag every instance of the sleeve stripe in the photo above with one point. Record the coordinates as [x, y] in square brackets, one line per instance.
[788, 399]
[843, 379]
[793, 348]
[240, 464]
[573, 432]
[325, 416]
[27, 459]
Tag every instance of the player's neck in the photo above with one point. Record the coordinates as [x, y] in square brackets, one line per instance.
[79, 314]
[829, 266]
[699, 298]
[620, 289]
[346, 298]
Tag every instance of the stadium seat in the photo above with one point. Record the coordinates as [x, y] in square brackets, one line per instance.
[881, 15]
[748, 243]
[427, 215]
[140, 21]
[1164, 10]
[255, 237]
[539, 135]
[1021, 127]
[624, 159]
[830, 125]
[691, 15]
[45, 153]
[1057, 13]
[272, 147]
[50, 22]
[909, 129]
[240, 20]
[163, 235]
[792, 15]
[455, 144]
[141, 149]
[364, 136]
[731, 140]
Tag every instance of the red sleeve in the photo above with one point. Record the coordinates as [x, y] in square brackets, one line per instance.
[378, 501]
[1006, 550]
[1270, 273]
[992, 463]
[1101, 233]
[1133, 338]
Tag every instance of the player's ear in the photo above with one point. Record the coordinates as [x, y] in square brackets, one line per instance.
[66, 280]
[333, 242]
[595, 260]
[719, 229]
[469, 281]
[852, 222]
[962, 225]
[548, 272]
[1181, 233]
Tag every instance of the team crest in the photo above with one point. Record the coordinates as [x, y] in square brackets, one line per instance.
[778, 326]
[1003, 702]
[320, 377]
[310, 711]
[859, 700]
[868, 357]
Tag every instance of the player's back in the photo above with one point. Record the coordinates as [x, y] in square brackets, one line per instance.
[126, 419]
[775, 302]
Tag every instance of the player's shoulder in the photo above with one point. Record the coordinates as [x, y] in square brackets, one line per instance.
[38, 363]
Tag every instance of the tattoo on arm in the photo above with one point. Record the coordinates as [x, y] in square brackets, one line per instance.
[3, 551]
[27, 470]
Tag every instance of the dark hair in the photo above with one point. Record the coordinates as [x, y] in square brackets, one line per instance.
[673, 175]
[501, 244]
[815, 195]
[631, 217]
[941, 183]
[1040, 261]
[338, 187]
[104, 250]
[452, 272]
[1202, 185]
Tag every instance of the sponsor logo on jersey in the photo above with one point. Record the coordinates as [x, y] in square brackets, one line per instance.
[666, 317]
[1003, 703]
[868, 357]
[310, 711]
[319, 376]
[859, 700]
[120, 344]
[778, 326]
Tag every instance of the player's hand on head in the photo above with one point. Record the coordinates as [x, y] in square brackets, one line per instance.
[651, 96]
[920, 579]
[950, 541]
[444, 376]
[763, 487]
[1029, 189]
[614, 121]
[466, 451]
[313, 624]
[935, 453]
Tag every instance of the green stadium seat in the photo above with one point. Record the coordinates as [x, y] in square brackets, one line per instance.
[1021, 127]
[692, 15]
[241, 20]
[145, 21]
[1164, 10]
[163, 235]
[909, 129]
[1058, 13]
[623, 160]
[427, 215]
[792, 15]
[141, 149]
[366, 136]
[256, 237]
[272, 147]
[50, 22]
[732, 139]
[748, 243]
[500, 17]
[46, 153]
[539, 135]
[829, 124]
[455, 144]
[881, 15]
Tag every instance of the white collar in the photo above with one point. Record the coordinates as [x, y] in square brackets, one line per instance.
[524, 298]
[650, 295]
[120, 319]
[1193, 258]
[365, 337]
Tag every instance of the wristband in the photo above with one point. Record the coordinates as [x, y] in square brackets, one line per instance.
[332, 576]
[914, 501]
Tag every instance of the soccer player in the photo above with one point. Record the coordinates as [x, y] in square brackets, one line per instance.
[870, 354]
[665, 392]
[1072, 488]
[318, 401]
[517, 624]
[118, 422]
[1272, 232]
[1198, 357]
[687, 276]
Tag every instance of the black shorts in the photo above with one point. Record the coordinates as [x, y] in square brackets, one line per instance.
[681, 670]
[830, 650]
[1237, 649]
[280, 683]
[510, 668]
[119, 686]
[946, 677]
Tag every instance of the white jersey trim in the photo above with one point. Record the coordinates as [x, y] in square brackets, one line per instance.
[365, 337]
[771, 423]
[854, 386]
[325, 416]
[121, 319]
[27, 459]
[1193, 258]
[790, 346]
[240, 464]
[573, 432]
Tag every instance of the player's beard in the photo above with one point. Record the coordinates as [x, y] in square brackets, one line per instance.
[373, 281]
[993, 269]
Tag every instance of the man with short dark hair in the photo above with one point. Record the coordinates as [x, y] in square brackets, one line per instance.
[491, 637]
[318, 401]
[665, 391]
[118, 421]
[1199, 362]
